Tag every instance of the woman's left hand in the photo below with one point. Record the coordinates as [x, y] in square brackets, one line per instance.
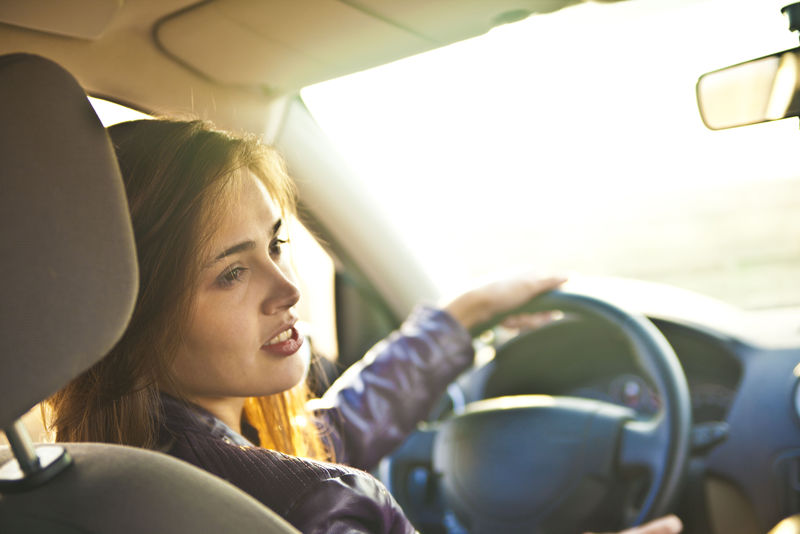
[669, 524]
[479, 305]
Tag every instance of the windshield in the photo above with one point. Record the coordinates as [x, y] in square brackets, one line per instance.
[571, 142]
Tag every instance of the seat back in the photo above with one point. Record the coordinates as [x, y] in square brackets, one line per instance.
[68, 283]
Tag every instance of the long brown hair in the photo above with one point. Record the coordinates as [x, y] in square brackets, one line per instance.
[177, 177]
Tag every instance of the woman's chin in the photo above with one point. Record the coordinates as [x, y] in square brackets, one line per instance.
[293, 370]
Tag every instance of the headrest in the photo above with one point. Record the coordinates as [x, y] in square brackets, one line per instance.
[68, 273]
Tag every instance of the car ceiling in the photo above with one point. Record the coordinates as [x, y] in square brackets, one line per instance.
[226, 59]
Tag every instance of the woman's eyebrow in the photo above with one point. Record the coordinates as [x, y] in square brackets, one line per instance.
[239, 247]
[246, 245]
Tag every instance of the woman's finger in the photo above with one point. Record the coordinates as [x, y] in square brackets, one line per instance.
[529, 321]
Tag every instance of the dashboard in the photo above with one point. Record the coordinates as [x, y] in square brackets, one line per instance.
[711, 401]
[745, 440]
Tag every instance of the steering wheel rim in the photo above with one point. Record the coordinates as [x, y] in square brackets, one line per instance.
[660, 444]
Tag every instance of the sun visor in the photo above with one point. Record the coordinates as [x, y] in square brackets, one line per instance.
[263, 44]
[285, 45]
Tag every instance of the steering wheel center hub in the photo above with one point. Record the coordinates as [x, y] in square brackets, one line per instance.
[562, 452]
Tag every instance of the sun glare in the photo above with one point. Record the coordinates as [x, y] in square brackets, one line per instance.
[112, 113]
[553, 141]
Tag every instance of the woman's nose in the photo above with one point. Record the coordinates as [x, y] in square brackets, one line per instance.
[282, 292]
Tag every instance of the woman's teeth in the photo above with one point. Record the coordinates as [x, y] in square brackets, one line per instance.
[283, 336]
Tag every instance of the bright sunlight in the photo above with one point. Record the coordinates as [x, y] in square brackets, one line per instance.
[572, 142]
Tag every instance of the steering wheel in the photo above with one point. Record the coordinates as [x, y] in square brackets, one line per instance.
[543, 464]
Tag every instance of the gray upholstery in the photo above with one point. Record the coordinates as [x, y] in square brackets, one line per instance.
[68, 282]
[121, 490]
[68, 275]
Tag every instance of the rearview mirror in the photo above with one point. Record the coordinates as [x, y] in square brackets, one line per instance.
[759, 90]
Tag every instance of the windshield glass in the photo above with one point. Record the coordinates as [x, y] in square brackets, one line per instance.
[571, 142]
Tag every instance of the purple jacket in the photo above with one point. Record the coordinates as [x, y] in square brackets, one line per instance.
[371, 408]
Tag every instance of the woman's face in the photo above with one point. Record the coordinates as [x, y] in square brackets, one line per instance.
[241, 339]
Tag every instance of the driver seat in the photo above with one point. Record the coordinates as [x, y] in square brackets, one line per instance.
[68, 283]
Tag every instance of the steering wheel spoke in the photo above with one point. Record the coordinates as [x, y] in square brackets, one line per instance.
[642, 447]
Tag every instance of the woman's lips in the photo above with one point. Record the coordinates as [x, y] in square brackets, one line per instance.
[284, 344]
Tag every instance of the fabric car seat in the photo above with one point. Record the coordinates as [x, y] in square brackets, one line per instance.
[68, 282]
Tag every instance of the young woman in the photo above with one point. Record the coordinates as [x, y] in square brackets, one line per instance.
[209, 369]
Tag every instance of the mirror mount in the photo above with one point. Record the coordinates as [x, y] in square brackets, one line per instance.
[792, 13]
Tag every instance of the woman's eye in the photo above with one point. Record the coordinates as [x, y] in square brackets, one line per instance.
[275, 248]
[231, 276]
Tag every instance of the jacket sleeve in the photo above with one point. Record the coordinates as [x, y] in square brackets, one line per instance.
[379, 400]
[352, 503]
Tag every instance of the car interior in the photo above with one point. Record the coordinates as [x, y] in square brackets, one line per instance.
[646, 396]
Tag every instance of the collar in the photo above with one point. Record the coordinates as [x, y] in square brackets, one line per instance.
[183, 415]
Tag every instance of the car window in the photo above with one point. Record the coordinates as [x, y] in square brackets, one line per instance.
[111, 113]
[572, 142]
[315, 272]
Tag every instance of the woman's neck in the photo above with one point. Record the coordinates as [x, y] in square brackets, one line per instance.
[226, 409]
